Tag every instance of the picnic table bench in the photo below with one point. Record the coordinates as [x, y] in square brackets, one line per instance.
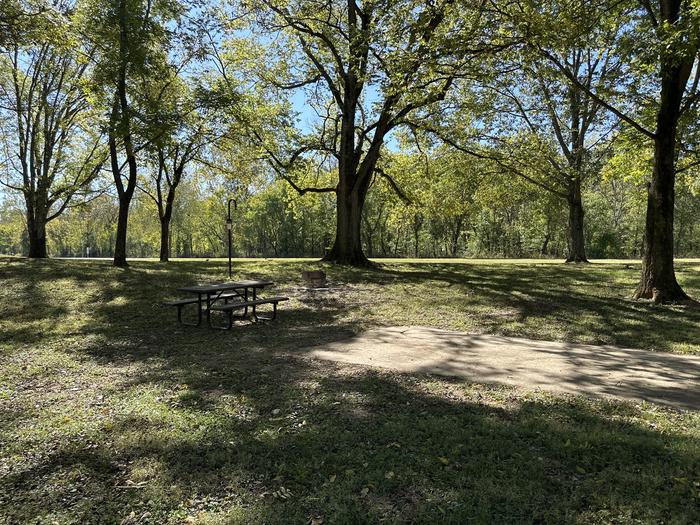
[238, 295]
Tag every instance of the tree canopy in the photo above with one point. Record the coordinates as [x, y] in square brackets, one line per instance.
[353, 129]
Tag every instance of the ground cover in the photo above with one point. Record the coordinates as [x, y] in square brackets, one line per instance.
[111, 413]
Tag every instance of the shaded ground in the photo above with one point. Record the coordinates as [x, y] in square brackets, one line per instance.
[599, 371]
[110, 413]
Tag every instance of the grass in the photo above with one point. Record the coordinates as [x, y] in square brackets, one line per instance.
[111, 413]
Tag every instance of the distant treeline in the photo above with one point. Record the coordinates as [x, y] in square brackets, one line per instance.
[468, 214]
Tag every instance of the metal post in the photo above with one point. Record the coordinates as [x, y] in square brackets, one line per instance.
[229, 224]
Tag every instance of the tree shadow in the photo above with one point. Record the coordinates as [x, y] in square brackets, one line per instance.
[195, 420]
[598, 371]
[366, 446]
[28, 310]
[583, 304]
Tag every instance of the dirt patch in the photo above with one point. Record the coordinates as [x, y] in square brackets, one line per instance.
[598, 371]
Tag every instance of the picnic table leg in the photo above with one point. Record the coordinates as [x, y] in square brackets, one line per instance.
[245, 299]
[199, 309]
[180, 308]
[255, 296]
[209, 303]
[229, 313]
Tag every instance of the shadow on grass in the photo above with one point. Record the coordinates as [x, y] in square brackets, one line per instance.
[584, 304]
[663, 378]
[571, 303]
[365, 447]
[28, 309]
[229, 425]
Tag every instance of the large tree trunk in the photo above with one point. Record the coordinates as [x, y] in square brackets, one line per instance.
[36, 227]
[165, 239]
[576, 239]
[36, 230]
[122, 223]
[347, 247]
[353, 183]
[658, 279]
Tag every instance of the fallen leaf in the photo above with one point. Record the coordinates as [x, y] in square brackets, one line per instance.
[282, 493]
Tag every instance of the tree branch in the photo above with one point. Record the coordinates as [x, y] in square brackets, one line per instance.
[565, 71]
[393, 185]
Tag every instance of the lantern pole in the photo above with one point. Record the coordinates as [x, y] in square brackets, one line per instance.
[229, 224]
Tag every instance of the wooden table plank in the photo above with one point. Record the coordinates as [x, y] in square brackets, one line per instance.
[219, 287]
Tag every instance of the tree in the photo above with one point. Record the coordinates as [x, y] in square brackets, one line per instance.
[662, 37]
[562, 124]
[55, 155]
[21, 21]
[677, 26]
[185, 127]
[440, 187]
[534, 123]
[365, 68]
[171, 160]
[132, 42]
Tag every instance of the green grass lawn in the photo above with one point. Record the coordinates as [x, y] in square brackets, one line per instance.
[111, 413]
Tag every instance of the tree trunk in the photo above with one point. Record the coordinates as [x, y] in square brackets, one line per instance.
[576, 239]
[165, 239]
[545, 244]
[369, 233]
[36, 230]
[370, 245]
[454, 236]
[37, 241]
[353, 184]
[658, 279]
[120, 241]
[383, 238]
[547, 238]
[453, 247]
[166, 214]
[120, 114]
[347, 247]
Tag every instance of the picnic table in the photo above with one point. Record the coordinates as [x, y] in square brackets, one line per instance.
[226, 297]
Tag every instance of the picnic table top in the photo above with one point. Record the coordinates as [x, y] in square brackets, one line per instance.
[218, 287]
